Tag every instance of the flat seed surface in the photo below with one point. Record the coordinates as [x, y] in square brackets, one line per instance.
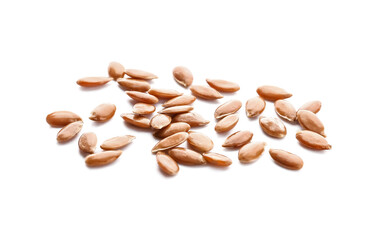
[87, 142]
[167, 164]
[93, 81]
[69, 131]
[254, 107]
[164, 93]
[181, 100]
[186, 156]
[251, 151]
[183, 76]
[117, 142]
[273, 127]
[285, 110]
[238, 139]
[191, 118]
[286, 159]
[103, 112]
[177, 109]
[136, 120]
[62, 118]
[172, 129]
[313, 140]
[102, 158]
[116, 70]
[205, 92]
[310, 121]
[223, 85]
[142, 97]
[227, 108]
[143, 108]
[160, 121]
[140, 74]
[134, 84]
[200, 142]
[217, 159]
[227, 123]
[273, 93]
[312, 106]
[170, 142]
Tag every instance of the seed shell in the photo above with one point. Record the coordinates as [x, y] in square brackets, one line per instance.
[103, 112]
[140, 74]
[116, 70]
[136, 120]
[167, 164]
[102, 158]
[134, 84]
[251, 151]
[217, 159]
[87, 142]
[254, 107]
[186, 156]
[93, 81]
[286, 159]
[310, 121]
[272, 93]
[313, 140]
[181, 100]
[69, 131]
[285, 110]
[312, 106]
[160, 121]
[117, 142]
[227, 123]
[238, 139]
[177, 109]
[183, 76]
[205, 92]
[142, 97]
[223, 85]
[62, 118]
[200, 142]
[172, 129]
[273, 127]
[227, 108]
[170, 142]
[143, 108]
[191, 118]
[164, 93]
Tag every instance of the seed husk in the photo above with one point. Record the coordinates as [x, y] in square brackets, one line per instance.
[205, 92]
[103, 112]
[313, 140]
[186, 156]
[142, 97]
[62, 118]
[143, 108]
[69, 131]
[254, 107]
[217, 159]
[116, 70]
[285, 110]
[181, 100]
[227, 108]
[273, 127]
[117, 142]
[172, 129]
[93, 81]
[160, 121]
[310, 121]
[227, 123]
[251, 151]
[238, 139]
[102, 158]
[167, 164]
[177, 109]
[312, 106]
[134, 84]
[164, 93]
[183, 76]
[200, 142]
[136, 120]
[170, 142]
[286, 159]
[272, 93]
[223, 85]
[140, 74]
[191, 118]
[88, 142]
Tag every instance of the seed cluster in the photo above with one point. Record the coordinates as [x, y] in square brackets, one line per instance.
[172, 124]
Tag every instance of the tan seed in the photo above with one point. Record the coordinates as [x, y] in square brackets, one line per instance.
[285, 110]
[200, 142]
[160, 121]
[102, 158]
[186, 156]
[170, 142]
[69, 131]
[313, 140]
[273, 127]
[136, 120]
[286, 159]
[313, 106]
[251, 151]
[191, 118]
[116, 70]
[62, 118]
[134, 84]
[143, 108]
[177, 109]
[238, 139]
[93, 81]
[139, 74]
[217, 159]
[272, 93]
[88, 142]
[223, 85]
[164, 93]
[254, 107]
[227, 123]
[103, 112]
[205, 92]
[167, 164]
[142, 97]
[309, 121]
[183, 76]
[172, 129]
[227, 108]
[181, 100]
[117, 142]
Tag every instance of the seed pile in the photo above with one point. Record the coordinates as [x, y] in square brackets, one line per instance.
[172, 124]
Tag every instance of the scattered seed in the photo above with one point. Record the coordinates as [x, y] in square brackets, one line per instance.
[223, 85]
[186, 156]
[164, 93]
[69, 131]
[102, 158]
[183, 76]
[167, 164]
[181, 100]
[93, 81]
[177, 109]
[217, 159]
[103, 112]
[160, 121]
[227, 123]
[142, 97]
[254, 107]
[205, 92]
[134, 84]
[309, 121]
[172, 129]
[227, 108]
[285, 110]
[251, 151]
[191, 118]
[170, 142]
[136, 120]
[238, 139]
[313, 106]
[117, 142]
[200, 142]
[273, 127]
[139, 74]
[313, 140]
[286, 159]
[88, 142]
[116, 70]
[272, 93]
[62, 118]
[143, 108]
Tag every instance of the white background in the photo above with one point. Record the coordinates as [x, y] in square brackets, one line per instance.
[318, 50]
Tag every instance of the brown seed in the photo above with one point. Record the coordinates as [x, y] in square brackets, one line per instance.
[143, 108]
[172, 129]
[142, 97]
[102, 158]
[167, 164]
[227, 108]
[273, 127]
[116, 70]
[191, 118]
[136, 120]
[309, 121]
[88, 142]
[139, 74]
[186, 156]
[217, 159]
[200, 142]
[238, 139]
[103, 112]
[62, 118]
[183, 76]
[272, 93]
[254, 107]
[164, 93]
[134, 84]
[227, 123]
[177, 109]
[313, 140]
[313, 106]
[170, 142]
[285, 110]
[223, 85]
[69, 131]
[117, 142]
[93, 81]
[286, 159]
[251, 151]
[181, 100]
[205, 92]
[160, 121]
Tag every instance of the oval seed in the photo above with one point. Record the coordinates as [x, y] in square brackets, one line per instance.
[272, 93]
[205, 92]
[251, 151]
[143, 108]
[273, 127]
[200, 142]
[183, 76]
[167, 164]
[139, 74]
[164, 93]
[134, 84]
[285, 110]
[170, 142]
[177, 109]
[217, 159]
[286, 159]
[313, 140]
[136, 120]
[223, 85]
[102, 158]
[313, 106]
[172, 129]
[93, 81]
[227, 123]
[69, 131]
[142, 97]
[309, 121]
[193, 119]
[117, 142]
[227, 108]
[254, 107]
[181, 100]
[62, 118]
[88, 142]
[238, 139]
[116, 70]
[186, 156]
[103, 112]
[160, 121]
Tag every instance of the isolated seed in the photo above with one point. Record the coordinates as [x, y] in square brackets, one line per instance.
[273, 127]
[117, 142]
[227, 123]
[313, 106]
[134, 84]
[93, 81]
[186, 156]
[164, 93]
[254, 107]
[88, 142]
[136, 120]
[181, 100]
[205, 92]
[251, 151]
[191, 118]
[217, 159]
[102, 158]
[116, 70]
[309, 121]
[183, 76]
[285, 110]
[177, 109]
[227, 108]
[238, 139]
[200, 142]
[160, 121]
[143, 108]
[139, 74]
[272, 93]
[223, 85]
[62, 118]
[142, 97]
[286, 159]
[69, 131]
[167, 164]
[313, 140]
[172, 129]
[170, 142]
[103, 112]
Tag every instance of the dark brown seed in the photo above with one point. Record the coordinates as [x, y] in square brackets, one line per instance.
[136, 120]
[69, 131]
[223, 85]
[116, 70]
[142, 97]
[286, 159]
[134, 84]
[62, 118]
[193, 119]
[272, 93]
[217, 159]
[167, 164]
[205, 92]
[117, 142]
[313, 140]
[254, 107]
[139, 74]
[183, 76]
[103, 112]
[88, 142]
[102, 158]
[172, 129]
[93, 81]
[238, 139]
[186, 156]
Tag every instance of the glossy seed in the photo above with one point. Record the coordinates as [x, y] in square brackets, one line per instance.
[272, 93]
[116, 70]
[205, 92]
[69, 131]
[170, 142]
[143, 108]
[136, 120]
[313, 140]
[164, 93]
[191, 118]
[62, 118]
[103, 112]
[313, 106]
[102, 158]
[251, 151]
[227, 123]
[139, 74]
[177, 109]
[186, 156]
[142, 97]
[93, 81]
[310, 121]
[167, 164]
[117, 142]
[286, 159]
[254, 107]
[223, 85]
[273, 127]
[183, 76]
[181, 100]
[285, 110]
[217, 159]
[88, 142]
[160, 121]
[227, 108]
[134, 84]
[200, 142]
[172, 129]
[238, 139]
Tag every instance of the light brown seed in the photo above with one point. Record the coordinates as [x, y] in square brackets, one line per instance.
[134, 84]
[313, 140]
[88, 142]
[285, 110]
[309, 121]
[116, 70]
[69, 131]
[62, 118]
[313, 106]
[200, 142]
[238, 139]
[181, 100]
[139, 74]
[191, 118]
[170, 142]
[143, 108]
[172, 129]
[272, 93]
[102, 158]
[286, 159]
[93, 81]
[227, 108]
[227, 123]
[177, 109]
[142, 97]
[164, 93]
[273, 127]
[223, 85]
[205, 92]
[251, 151]
[136, 120]
[186, 156]
[183, 76]
[167, 164]
[103, 112]
[117, 142]
[217, 159]
[160, 121]
[254, 107]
